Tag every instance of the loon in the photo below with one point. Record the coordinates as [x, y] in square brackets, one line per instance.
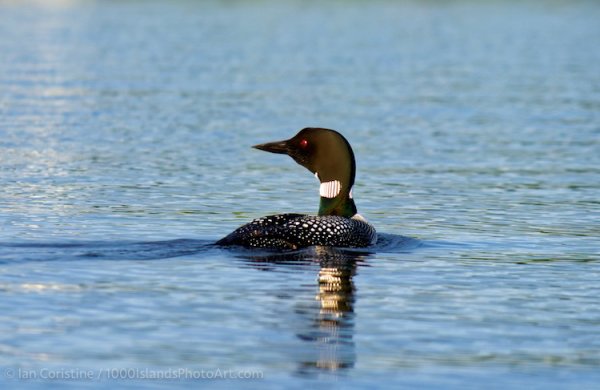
[328, 155]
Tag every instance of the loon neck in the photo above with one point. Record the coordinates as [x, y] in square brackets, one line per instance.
[342, 205]
[336, 199]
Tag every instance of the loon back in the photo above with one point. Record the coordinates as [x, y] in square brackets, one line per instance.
[293, 231]
[328, 155]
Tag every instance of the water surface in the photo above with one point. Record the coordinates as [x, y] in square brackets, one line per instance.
[125, 133]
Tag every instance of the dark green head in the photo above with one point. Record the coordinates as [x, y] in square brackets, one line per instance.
[328, 155]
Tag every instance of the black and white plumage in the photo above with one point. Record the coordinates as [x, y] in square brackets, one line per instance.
[328, 155]
[293, 231]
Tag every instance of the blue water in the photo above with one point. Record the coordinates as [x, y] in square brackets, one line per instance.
[125, 133]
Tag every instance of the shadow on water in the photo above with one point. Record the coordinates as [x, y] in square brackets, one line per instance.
[327, 328]
[101, 250]
[155, 250]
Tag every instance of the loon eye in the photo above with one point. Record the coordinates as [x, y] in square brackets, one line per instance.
[303, 144]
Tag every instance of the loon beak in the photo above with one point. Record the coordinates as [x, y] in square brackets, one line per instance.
[280, 147]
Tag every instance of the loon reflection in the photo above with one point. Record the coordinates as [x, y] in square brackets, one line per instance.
[328, 326]
[334, 323]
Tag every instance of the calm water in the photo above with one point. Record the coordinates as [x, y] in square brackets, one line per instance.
[124, 152]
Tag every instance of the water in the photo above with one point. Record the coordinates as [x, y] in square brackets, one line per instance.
[124, 153]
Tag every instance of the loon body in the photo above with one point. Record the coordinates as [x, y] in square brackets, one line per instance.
[328, 155]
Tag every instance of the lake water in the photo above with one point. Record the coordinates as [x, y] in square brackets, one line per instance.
[125, 133]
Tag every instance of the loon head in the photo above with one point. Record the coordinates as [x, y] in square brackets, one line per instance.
[328, 155]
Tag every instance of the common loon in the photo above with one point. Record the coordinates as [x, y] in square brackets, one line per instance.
[328, 155]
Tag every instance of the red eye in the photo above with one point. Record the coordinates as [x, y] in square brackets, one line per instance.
[303, 143]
